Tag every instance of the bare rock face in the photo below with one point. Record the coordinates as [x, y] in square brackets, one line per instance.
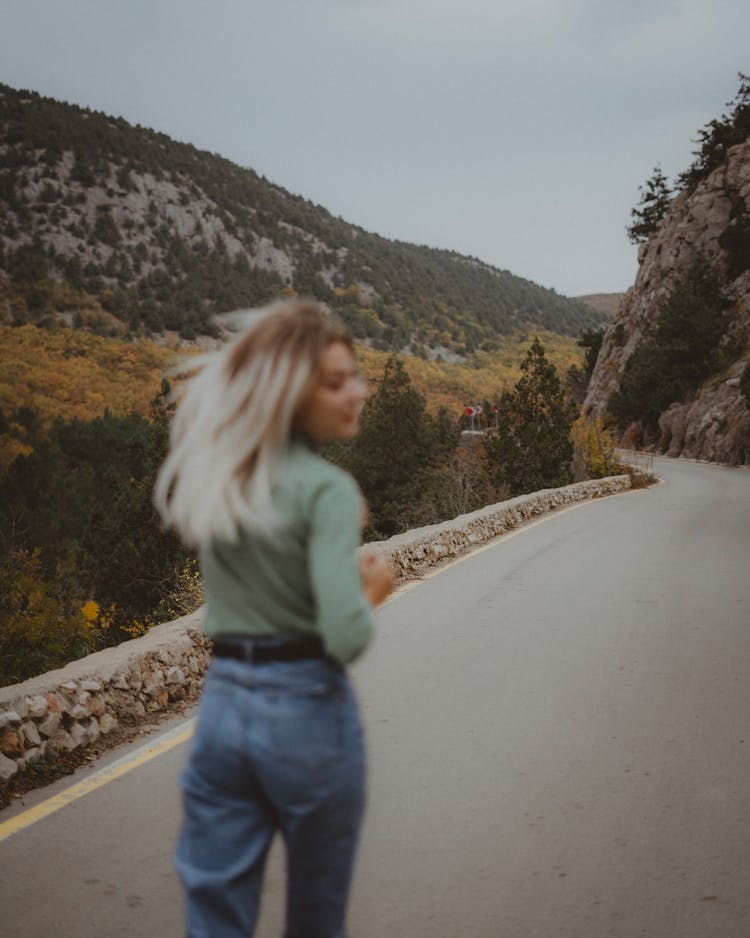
[715, 426]
[692, 227]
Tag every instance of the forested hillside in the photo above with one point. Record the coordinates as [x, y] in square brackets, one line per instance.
[72, 374]
[163, 236]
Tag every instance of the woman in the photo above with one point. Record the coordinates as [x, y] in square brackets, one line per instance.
[278, 745]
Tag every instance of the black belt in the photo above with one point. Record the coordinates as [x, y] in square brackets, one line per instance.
[258, 650]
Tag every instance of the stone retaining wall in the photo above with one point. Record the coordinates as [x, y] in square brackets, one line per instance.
[90, 700]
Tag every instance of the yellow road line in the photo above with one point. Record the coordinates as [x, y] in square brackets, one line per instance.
[126, 764]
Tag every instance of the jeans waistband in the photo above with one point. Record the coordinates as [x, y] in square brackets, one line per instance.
[256, 650]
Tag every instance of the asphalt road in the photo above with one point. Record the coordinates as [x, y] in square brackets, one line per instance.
[559, 738]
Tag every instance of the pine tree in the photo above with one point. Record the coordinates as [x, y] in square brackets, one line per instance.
[718, 136]
[396, 451]
[531, 448]
[685, 350]
[656, 196]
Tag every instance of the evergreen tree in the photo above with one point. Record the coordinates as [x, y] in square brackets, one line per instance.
[82, 498]
[655, 200]
[577, 379]
[396, 451]
[591, 340]
[531, 448]
[683, 353]
[715, 139]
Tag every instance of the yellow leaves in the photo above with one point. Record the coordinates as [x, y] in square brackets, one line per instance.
[90, 611]
[98, 620]
[594, 451]
[351, 292]
[187, 594]
[102, 620]
[36, 633]
[483, 376]
[70, 373]
[136, 628]
[10, 449]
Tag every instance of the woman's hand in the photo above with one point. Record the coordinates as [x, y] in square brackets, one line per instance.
[378, 575]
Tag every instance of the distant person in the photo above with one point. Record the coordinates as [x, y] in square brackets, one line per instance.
[278, 744]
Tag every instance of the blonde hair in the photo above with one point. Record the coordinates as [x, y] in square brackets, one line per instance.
[234, 419]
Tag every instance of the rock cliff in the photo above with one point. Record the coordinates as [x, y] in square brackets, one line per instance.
[715, 423]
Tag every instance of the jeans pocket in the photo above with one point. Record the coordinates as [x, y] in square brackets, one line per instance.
[307, 729]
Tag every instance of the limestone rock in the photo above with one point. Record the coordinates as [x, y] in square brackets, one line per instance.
[91, 686]
[80, 712]
[8, 768]
[107, 723]
[31, 733]
[57, 703]
[37, 706]
[31, 757]
[132, 712]
[159, 701]
[79, 735]
[120, 682]
[175, 675]
[153, 683]
[135, 681]
[92, 730]
[50, 725]
[64, 740]
[9, 718]
[11, 743]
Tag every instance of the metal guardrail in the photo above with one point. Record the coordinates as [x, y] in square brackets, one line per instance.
[639, 460]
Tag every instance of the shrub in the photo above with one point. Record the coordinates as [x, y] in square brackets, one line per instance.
[185, 595]
[37, 633]
[594, 452]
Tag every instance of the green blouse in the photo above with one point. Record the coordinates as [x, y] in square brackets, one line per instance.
[307, 579]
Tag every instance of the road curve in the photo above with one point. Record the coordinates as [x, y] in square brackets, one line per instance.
[559, 739]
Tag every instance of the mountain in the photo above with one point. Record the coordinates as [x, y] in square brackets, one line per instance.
[673, 366]
[163, 236]
[605, 303]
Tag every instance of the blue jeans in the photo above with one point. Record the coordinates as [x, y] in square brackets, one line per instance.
[278, 746]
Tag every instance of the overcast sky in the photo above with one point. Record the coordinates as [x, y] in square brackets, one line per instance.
[517, 131]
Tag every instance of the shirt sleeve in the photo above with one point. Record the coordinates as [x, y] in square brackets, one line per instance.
[343, 614]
